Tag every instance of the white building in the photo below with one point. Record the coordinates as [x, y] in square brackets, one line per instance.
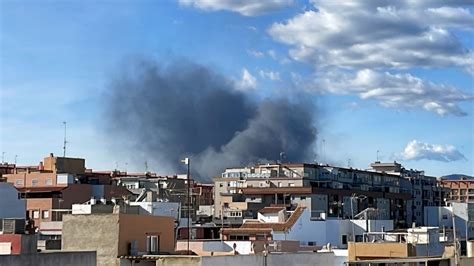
[442, 217]
[336, 232]
[300, 226]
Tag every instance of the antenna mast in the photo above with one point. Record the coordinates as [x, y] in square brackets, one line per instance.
[64, 145]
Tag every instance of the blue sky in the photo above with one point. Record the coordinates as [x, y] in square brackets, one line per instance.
[390, 80]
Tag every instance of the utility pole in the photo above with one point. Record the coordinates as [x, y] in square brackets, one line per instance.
[187, 162]
[456, 255]
[378, 155]
[64, 144]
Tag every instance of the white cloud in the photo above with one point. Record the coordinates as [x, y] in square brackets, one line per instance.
[364, 48]
[257, 54]
[272, 53]
[271, 75]
[252, 28]
[247, 82]
[392, 34]
[417, 150]
[397, 91]
[244, 7]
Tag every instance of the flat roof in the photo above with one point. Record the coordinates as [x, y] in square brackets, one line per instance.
[271, 209]
[399, 260]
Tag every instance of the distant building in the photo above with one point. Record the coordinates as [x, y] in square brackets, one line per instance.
[414, 246]
[442, 217]
[334, 192]
[425, 190]
[115, 235]
[51, 189]
[460, 190]
[276, 223]
[169, 189]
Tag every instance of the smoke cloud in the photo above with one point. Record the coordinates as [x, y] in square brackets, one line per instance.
[164, 112]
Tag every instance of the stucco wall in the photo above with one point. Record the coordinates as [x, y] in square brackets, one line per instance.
[272, 259]
[47, 259]
[137, 227]
[97, 232]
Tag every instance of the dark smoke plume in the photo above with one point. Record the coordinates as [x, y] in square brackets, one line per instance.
[165, 112]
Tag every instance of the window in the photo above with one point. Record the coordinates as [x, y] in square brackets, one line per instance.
[34, 182]
[46, 214]
[36, 214]
[221, 185]
[48, 182]
[302, 197]
[344, 239]
[19, 182]
[153, 244]
[445, 216]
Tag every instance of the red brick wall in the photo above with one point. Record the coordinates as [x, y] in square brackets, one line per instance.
[15, 240]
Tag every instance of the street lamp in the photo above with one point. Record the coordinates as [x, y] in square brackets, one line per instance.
[187, 162]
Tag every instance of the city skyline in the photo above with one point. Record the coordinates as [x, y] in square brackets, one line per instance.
[387, 82]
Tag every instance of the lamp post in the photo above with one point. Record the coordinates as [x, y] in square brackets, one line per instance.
[455, 241]
[187, 162]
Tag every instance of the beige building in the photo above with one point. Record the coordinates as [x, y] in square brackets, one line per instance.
[460, 190]
[231, 203]
[114, 235]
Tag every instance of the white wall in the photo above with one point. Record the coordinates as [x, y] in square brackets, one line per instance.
[329, 231]
[10, 205]
[171, 209]
[442, 217]
[81, 209]
[65, 179]
[271, 217]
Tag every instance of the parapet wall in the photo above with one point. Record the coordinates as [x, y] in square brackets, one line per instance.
[84, 258]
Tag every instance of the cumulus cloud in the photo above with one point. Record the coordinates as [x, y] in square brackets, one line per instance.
[244, 7]
[248, 81]
[390, 34]
[271, 75]
[417, 150]
[366, 48]
[397, 91]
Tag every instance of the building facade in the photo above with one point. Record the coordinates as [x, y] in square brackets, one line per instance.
[327, 191]
[114, 235]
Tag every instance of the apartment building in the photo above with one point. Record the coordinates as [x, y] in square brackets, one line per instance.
[461, 190]
[169, 189]
[51, 188]
[426, 190]
[326, 190]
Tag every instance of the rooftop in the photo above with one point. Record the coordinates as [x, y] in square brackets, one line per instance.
[271, 210]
